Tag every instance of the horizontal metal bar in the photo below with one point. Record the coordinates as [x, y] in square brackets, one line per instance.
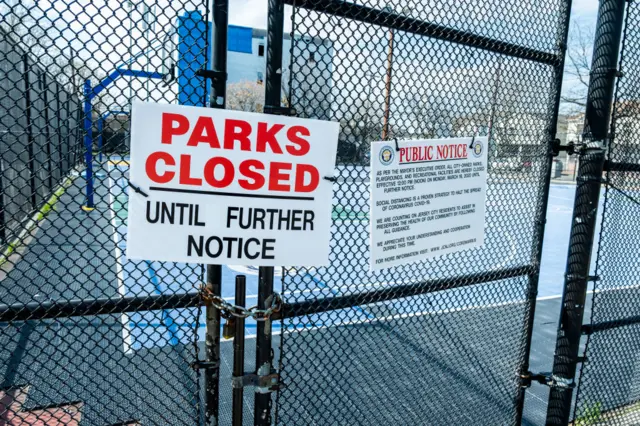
[610, 166]
[141, 74]
[609, 325]
[391, 292]
[70, 308]
[400, 22]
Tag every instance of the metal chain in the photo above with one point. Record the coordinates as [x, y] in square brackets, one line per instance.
[228, 310]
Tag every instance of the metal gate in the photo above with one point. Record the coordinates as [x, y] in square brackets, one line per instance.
[444, 340]
[86, 335]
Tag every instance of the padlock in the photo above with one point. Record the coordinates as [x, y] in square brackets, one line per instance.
[229, 328]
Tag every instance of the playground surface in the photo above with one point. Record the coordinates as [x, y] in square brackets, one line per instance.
[137, 278]
[75, 255]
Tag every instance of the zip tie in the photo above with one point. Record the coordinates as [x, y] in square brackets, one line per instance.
[137, 188]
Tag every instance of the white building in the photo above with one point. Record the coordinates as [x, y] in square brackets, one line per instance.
[575, 127]
[246, 62]
[562, 128]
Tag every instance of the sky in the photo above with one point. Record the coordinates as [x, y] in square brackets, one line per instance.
[253, 13]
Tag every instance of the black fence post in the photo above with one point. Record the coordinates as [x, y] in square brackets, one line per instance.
[219, 83]
[597, 119]
[238, 353]
[273, 95]
[30, 140]
[3, 223]
[47, 133]
[59, 131]
[275, 35]
[217, 99]
[67, 134]
[262, 413]
[534, 276]
[212, 347]
[77, 138]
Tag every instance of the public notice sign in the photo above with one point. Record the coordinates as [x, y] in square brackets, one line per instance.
[229, 187]
[427, 198]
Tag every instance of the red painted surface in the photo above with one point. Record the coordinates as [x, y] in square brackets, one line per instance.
[13, 414]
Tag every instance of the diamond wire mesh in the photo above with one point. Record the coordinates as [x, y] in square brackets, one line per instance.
[113, 367]
[608, 391]
[453, 354]
[20, 196]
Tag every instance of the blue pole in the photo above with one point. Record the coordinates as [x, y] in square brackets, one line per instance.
[192, 56]
[100, 120]
[88, 138]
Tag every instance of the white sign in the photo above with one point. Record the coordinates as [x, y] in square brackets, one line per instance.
[427, 198]
[229, 187]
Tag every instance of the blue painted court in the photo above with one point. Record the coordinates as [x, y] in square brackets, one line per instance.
[173, 326]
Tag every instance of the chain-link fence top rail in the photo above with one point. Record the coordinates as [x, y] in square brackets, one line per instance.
[440, 341]
[608, 391]
[87, 336]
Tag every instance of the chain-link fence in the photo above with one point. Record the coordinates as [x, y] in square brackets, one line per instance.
[443, 341]
[88, 336]
[608, 391]
[38, 116]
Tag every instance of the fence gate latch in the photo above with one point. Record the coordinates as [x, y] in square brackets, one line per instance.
[212, 75]
[527, 378]
[199, 364]
[556, 147]
[547, 379]
[279, 110]
[268, 383]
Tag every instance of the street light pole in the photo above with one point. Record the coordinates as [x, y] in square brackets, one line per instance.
[364, 133]
[387, 97]
[494, 102]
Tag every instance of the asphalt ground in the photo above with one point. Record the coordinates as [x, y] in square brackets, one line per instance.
[137, 366]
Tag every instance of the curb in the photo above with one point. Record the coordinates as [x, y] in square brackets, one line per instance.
[36, 218]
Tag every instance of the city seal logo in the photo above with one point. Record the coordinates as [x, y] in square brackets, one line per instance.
[386, 155]
[476, 148]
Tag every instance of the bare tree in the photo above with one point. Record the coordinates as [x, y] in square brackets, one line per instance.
[424, 116]
[245, 96]
[23, 22]
[578, 66]
[78, 71]
[362, 124]
[28, 27]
